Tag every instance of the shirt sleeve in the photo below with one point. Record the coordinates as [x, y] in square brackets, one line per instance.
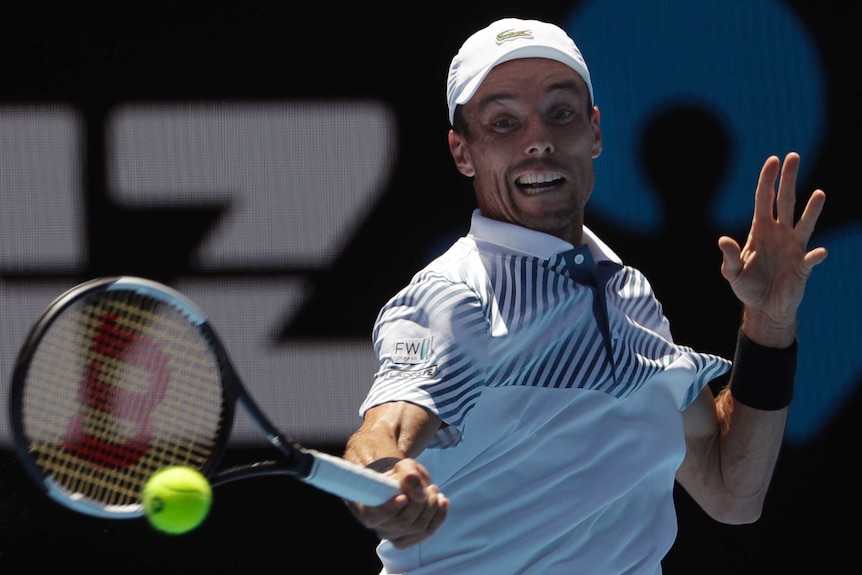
[644, 311]
[431, 342]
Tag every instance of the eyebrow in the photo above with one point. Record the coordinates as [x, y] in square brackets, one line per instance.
[566, 86]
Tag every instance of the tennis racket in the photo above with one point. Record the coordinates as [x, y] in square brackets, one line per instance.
[122, 376]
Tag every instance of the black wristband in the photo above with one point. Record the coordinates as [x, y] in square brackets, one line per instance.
[763, 377]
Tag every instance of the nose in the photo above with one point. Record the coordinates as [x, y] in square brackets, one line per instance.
[538, 139]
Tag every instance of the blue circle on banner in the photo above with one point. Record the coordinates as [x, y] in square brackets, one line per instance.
[752, 68]
[749, 63]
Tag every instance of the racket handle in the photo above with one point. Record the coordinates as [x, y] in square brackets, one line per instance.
[349, 480]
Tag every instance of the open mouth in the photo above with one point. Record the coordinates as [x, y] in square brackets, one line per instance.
[537, 183]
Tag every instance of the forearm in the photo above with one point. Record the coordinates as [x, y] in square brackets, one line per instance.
[368, 445]
[749, 448]
[752, 410]
[733, 440]
[392, 431]
[391, 435]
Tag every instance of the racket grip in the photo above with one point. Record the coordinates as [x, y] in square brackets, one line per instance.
[349, 480]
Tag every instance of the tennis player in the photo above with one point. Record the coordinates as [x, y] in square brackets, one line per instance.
[531, 399]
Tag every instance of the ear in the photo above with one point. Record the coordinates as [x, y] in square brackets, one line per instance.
[458, 148]
[597, 132]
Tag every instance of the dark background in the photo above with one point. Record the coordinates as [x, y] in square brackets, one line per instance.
[98, 54]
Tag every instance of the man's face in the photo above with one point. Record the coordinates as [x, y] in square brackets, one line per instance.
[530, 144]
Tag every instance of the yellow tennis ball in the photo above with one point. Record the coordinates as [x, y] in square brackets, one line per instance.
[176, 499]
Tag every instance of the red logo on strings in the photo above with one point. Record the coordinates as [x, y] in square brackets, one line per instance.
[112, 406]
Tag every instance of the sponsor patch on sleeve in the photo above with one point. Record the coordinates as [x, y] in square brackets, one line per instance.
[411, 350]
[426, 372]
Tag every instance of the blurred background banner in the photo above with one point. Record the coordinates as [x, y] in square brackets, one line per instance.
[285, 165]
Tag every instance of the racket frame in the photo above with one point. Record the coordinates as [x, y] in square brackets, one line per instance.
[321, 470]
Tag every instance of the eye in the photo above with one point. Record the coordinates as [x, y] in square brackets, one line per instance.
[561, 114]
[503, 124]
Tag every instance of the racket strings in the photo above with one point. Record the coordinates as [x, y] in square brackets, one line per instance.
[120, 385]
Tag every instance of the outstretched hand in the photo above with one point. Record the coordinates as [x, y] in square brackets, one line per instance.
[769, 273]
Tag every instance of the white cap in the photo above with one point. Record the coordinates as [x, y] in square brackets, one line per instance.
[504, 40]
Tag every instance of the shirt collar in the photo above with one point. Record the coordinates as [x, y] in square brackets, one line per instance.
[523, 241]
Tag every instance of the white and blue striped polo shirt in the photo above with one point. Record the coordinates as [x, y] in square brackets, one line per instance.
[561, 389]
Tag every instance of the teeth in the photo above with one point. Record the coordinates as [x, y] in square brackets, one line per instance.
[529, 179]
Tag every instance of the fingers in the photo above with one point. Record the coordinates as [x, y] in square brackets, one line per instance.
[417, 520]
[814, 257]
[766, 204]
[787, 189]
[764, 195]
[809, 217]
[730, 264]
[413, 484]
[781, 207]
[768, 273]
[411, 516]
[786, 203]
[406, 521]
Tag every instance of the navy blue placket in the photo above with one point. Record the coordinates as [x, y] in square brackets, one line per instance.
[579, 265]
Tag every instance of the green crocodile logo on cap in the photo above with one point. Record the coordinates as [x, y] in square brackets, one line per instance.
[513, 35]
